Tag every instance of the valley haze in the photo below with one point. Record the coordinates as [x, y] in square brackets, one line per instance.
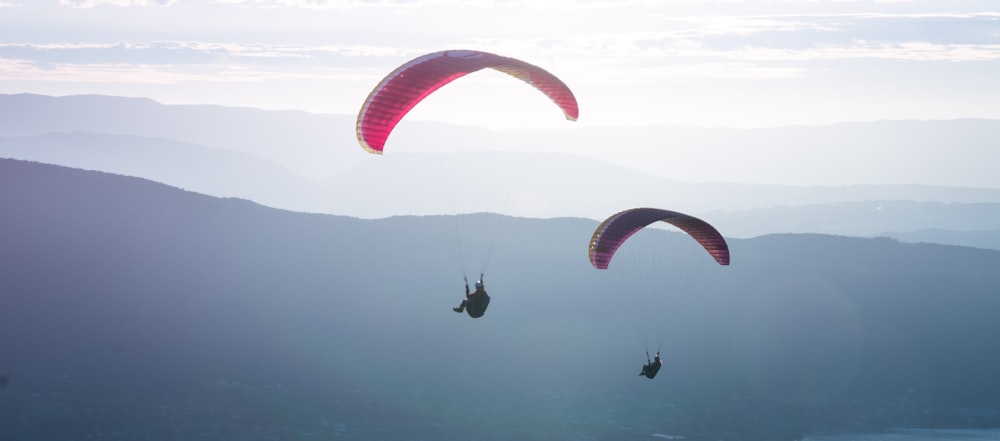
[914, 180]
[136, 309]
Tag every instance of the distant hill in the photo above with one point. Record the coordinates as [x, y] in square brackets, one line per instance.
[933, 153]
[217, 172]
[311, 163]
[301, 142]
[969, 224]
[980, 239]
[419, 183]
[953, 153]
[116, 286]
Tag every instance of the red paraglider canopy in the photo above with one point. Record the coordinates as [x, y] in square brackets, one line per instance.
[410, 83]
[614, 231]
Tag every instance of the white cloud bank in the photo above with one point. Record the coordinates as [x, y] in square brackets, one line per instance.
[95, 3]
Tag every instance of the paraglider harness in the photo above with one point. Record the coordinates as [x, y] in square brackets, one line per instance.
[651, 367]
[476, 302]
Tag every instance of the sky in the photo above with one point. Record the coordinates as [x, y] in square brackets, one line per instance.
[731, 63]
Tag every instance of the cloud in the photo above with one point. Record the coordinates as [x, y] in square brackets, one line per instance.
[320, 4]
[164, 62]
[752, 47]
[902, 51]
[633, 48]
[24, 70]
[118, 73]
[412, 4]
[642, 56]
[798, 39]
[94, 3]
[186, 52]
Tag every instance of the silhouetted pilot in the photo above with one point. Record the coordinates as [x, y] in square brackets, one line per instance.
[651, 367]
[475, 303]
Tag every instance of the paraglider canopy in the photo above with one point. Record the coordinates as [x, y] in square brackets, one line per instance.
[615, 230]
[410, 83]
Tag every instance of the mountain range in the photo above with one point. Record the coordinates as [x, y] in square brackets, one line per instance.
[119, 289]
[912, 180]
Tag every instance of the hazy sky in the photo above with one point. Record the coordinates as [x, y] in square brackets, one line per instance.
[711, 63]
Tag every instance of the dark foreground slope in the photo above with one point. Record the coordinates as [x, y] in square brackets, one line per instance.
[129, 309]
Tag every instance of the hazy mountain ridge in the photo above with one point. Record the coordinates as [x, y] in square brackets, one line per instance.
[864, 218]
[176, 289]
[953, 153]
[311, 163]
[216, 172]
[536, 194]
[947, 152]
[980, 239]
[318, 146]
[299, 141]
